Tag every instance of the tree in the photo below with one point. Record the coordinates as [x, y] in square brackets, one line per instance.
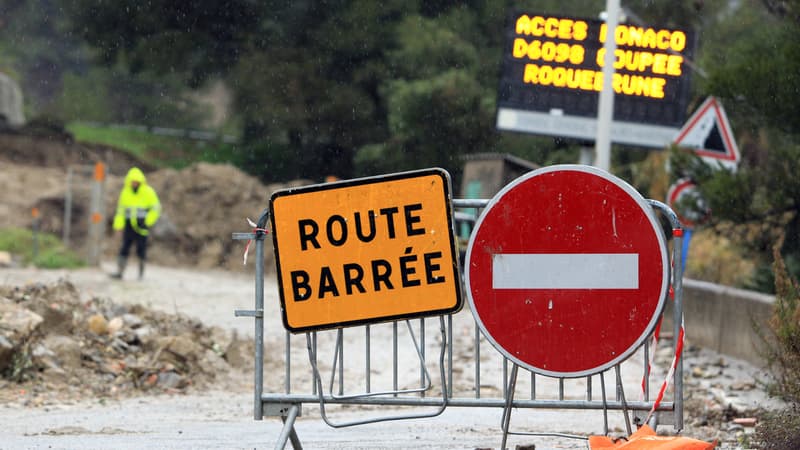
[763, 197]
[114, 95]
[437, 108]
[433, 122]
[195, 38]
[37, 47]
[319, 100]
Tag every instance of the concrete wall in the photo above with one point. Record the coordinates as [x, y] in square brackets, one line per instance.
[723, 319]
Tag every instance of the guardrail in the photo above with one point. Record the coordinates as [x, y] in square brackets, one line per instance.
[187, 133]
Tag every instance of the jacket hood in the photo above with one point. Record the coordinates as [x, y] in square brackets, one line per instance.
[135, 174]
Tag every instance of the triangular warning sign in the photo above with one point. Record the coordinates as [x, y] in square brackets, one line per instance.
[708, 134]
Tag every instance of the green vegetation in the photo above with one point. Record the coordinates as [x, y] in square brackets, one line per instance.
[781, 347]
[349, 88]
[761, 200]
[50, 252]
[161, 151]
[133, 141]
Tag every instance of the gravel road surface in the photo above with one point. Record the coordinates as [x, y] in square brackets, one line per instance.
[222, 417]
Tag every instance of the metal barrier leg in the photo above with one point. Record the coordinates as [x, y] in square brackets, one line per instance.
[605, 403]
[288, 431]
[621, 392]
[317, 379]
[512, 384]
[505, 421]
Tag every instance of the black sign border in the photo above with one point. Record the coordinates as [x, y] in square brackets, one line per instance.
[446, 182]
[622, 104]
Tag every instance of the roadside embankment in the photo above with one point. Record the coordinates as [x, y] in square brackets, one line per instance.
[724, 319]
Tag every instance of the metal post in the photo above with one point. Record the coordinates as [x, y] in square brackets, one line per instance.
[621, 395]
[646, 376]
[314, 362]
[677, 283]
[605, 403]
[35, 233]
[449, 356]
[340, 340]
[258, 412]
[67, 208]
[96, 214]
[287, 349]
[367, 351]
[505, 375]
[288, 431]
[477, 362]
[605, 108]
[422, 351]
[395, 380]
[677, 291]
[586, 156]
[509, 401]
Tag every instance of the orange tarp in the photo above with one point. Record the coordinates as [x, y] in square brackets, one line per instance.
[645, 439]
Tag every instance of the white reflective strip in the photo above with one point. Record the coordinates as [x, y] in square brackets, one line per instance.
[140, 213]
[565, 271]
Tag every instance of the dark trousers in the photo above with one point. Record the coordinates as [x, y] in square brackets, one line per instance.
[130, 237]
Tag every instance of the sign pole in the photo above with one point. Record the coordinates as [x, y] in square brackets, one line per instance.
[687, 236]
[67, 208]
[605, 109]
[35, 233]
[587, 155]
[96, 216]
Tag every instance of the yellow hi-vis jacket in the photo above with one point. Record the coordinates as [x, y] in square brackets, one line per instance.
[141, 208]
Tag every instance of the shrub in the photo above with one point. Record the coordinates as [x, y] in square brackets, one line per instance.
[781, 348]
[50, 254]
[780, 430]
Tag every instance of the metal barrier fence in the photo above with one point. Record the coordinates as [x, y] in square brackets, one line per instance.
[458, 343]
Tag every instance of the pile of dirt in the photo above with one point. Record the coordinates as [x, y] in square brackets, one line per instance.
[57, 347]
[203, 204]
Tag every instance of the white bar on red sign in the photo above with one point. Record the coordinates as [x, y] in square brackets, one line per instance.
[565, 271]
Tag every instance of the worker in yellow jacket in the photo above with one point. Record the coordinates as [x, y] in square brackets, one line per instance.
[138, 210]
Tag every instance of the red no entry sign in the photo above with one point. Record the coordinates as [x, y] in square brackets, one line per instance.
[685, 199]
[567, 271]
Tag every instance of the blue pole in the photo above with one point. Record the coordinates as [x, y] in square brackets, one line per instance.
[687, 236]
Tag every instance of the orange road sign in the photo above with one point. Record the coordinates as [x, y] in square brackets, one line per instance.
[366, 250]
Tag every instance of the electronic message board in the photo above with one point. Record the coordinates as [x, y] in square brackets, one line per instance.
[553, 73]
